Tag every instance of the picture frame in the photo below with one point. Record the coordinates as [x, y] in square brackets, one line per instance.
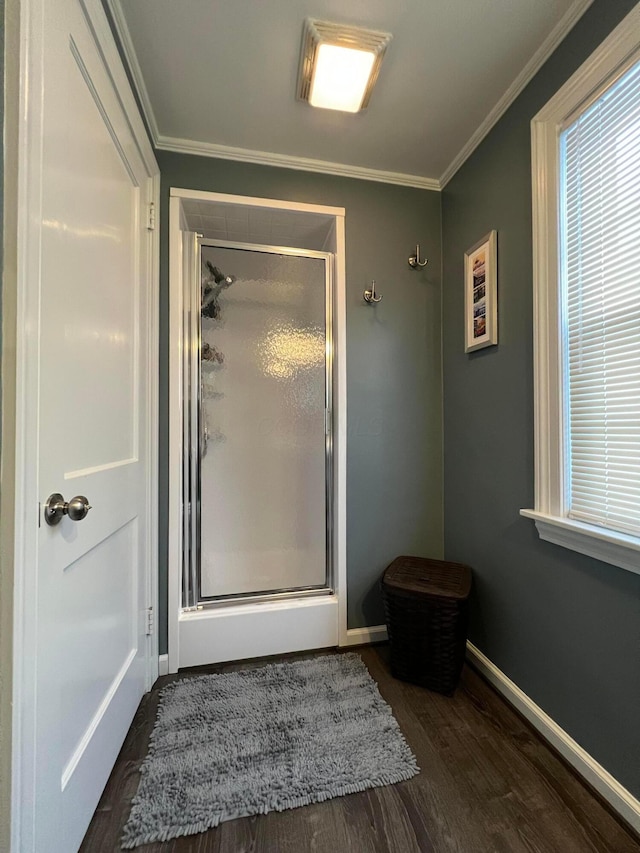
[481, 293]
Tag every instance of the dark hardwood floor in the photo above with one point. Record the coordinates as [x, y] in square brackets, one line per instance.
[488, 784]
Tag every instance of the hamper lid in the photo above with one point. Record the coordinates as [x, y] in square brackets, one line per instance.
[422, 576]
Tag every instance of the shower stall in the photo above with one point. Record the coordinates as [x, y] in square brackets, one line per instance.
[257, 540]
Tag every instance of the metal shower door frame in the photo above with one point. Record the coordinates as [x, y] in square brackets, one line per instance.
[192, 598]
[191, 420]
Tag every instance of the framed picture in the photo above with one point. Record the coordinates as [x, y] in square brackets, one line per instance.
[481, 294]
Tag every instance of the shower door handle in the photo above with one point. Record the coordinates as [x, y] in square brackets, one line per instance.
[56, 507]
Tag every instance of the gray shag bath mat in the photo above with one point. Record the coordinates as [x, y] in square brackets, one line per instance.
[264, 739]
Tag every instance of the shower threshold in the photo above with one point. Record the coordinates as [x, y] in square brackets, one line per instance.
[257, 597]
[255, 628]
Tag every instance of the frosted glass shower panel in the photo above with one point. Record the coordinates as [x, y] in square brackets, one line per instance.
[263, 480]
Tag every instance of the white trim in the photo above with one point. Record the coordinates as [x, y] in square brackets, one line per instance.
[163, 665]
[24, 769]
[102, 32]
[257, 630]
[176, 414]
[291, 161]
[153, 309]
[557, 34]
[178, 634]
[621, 800]
[609, 60]
[363, 636]
[618, 549]
[255, 201]
[547, 352]
[26, 495]
[10, 298]
[126, 43]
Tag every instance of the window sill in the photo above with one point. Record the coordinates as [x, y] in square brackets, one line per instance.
[618, 549]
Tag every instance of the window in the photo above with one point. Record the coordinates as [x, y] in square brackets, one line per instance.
[600, 278]
[586, 210]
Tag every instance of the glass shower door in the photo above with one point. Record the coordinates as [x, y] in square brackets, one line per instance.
[264, 418]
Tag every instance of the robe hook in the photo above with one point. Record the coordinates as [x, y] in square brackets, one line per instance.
[414, 260]
[370, 295]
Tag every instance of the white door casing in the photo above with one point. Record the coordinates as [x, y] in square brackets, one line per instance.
[86, 420]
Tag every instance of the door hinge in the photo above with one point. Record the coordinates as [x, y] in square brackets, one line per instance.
[149, 621]
[151, 225]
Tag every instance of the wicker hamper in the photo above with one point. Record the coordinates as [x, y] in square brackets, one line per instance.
[426, 607]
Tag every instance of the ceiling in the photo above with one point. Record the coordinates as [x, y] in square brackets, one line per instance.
[219, 77]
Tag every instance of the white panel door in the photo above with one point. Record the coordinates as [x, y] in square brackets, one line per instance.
[88, 236]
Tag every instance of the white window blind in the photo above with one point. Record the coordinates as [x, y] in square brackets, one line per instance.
[600, 241]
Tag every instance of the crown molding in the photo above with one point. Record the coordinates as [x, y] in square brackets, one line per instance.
[126, 43]
[557, 34]
[288, 161]
[266, 158]
[243, 155]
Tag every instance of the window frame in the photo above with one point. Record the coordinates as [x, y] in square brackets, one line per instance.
[619, 51]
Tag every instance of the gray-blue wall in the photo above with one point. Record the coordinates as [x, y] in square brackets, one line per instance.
[394, 461]
[564, 627]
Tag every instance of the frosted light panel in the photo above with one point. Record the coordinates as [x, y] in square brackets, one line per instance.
[340, 78]
[263, 503]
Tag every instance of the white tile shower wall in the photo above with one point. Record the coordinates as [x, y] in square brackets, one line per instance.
[263, 473]
[263, 225]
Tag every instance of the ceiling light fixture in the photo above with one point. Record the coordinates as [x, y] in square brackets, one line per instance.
[339, 65]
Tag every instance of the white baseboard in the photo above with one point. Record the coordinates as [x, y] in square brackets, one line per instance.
[362, 636]
[621, 800]
[163, 665]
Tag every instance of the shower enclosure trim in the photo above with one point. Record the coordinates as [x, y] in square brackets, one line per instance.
[251, 627]
[193, 597]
